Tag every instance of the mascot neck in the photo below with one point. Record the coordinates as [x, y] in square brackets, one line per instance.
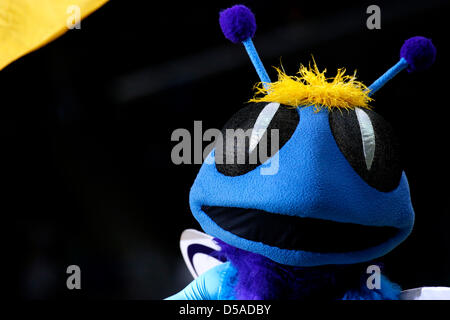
[260, 278]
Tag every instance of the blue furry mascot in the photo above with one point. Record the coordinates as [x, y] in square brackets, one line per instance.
[308, 220]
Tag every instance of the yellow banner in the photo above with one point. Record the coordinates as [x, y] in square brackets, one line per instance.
[27, 25]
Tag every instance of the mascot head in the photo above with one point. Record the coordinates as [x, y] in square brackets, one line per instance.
[331, 189]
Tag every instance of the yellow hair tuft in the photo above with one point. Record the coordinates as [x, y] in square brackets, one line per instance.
[313, 88]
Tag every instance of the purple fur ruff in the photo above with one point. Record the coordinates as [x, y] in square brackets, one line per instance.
[238, 23]
[276, 281]
[419, 52]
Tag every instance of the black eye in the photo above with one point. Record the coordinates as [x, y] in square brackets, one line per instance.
[251, 129]
[370, 146]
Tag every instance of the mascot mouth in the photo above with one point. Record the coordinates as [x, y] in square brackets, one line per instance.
[296, 233]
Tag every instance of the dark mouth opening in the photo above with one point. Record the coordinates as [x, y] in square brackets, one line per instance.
[295, 233]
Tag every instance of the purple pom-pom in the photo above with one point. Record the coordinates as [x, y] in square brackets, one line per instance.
[419, 52]
[238, 23]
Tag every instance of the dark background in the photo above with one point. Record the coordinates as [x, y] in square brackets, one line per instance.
[86, 124]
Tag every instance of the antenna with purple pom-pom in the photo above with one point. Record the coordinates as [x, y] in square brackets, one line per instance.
[238, 25]
[416, 54]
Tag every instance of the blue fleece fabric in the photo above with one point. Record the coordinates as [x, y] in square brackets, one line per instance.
[419, 52]
[388, 291]
[238, 23]
[313, 180]
[219, 283]
[215, 284]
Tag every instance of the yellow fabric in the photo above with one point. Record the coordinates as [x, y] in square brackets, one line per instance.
[27, 25]
[313, 88]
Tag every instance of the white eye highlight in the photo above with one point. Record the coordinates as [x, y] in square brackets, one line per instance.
[261, 124]
[367, 135]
